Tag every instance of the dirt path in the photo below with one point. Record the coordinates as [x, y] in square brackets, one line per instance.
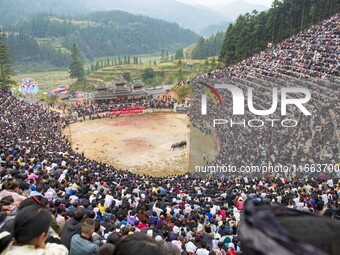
[141, 144]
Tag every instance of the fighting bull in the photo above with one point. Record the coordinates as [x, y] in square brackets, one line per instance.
[179, 145]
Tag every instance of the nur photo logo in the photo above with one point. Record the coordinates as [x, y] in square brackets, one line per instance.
[212, 92]
[238, 104]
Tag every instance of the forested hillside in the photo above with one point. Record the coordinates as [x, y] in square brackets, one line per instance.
[208, 47]
[96, 34]
[13, 10]
[186, 15]
[251, 33]
[25, 49]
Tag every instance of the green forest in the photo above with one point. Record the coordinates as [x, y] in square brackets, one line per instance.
[49, 38]
[252, 32]
[208, 47]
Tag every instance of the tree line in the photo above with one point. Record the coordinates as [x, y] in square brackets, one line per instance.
[96, 35]
[25, 49]
[208, 47]
[6, 65]
[252, 32]
[125, 60]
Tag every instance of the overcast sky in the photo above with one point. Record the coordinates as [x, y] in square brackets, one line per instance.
[219, 2]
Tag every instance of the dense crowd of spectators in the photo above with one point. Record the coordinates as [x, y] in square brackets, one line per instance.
[315, 139]
[55, 201]
[311, 53]
[93, 109]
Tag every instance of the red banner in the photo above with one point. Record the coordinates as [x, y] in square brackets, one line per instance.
[127, 111]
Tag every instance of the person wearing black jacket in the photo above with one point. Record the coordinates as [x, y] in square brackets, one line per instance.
[72, 227]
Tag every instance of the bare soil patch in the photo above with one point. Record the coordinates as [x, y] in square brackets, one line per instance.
[140, 143]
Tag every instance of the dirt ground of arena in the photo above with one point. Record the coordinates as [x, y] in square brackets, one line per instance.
[140, 143]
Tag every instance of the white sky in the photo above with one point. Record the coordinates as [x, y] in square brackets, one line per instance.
[219, 2]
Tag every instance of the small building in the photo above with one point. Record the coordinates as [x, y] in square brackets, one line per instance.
[138, 90]
[121, 91]
[100, 87]
[156, 92]
[102, 93]
[160, 92]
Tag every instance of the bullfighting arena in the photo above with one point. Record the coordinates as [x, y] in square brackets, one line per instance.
[139, 143]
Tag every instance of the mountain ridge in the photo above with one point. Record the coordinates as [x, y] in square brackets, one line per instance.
[194, 17]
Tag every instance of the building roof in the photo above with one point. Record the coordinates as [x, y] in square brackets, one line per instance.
[100, 85]
[137, 84]
[123, 90]
[119, 80]
[156, 91]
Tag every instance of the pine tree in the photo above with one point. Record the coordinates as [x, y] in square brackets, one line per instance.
[167, 56]
[179, 54]
[97, 66]
[76, 67]
[5, 66]
[162, 56]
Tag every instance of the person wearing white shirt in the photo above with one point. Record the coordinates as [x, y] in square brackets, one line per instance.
[202, 251]
[118, 202]
[108, 199]
[73, 198]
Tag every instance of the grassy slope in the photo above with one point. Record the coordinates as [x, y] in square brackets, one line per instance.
[166, 73]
